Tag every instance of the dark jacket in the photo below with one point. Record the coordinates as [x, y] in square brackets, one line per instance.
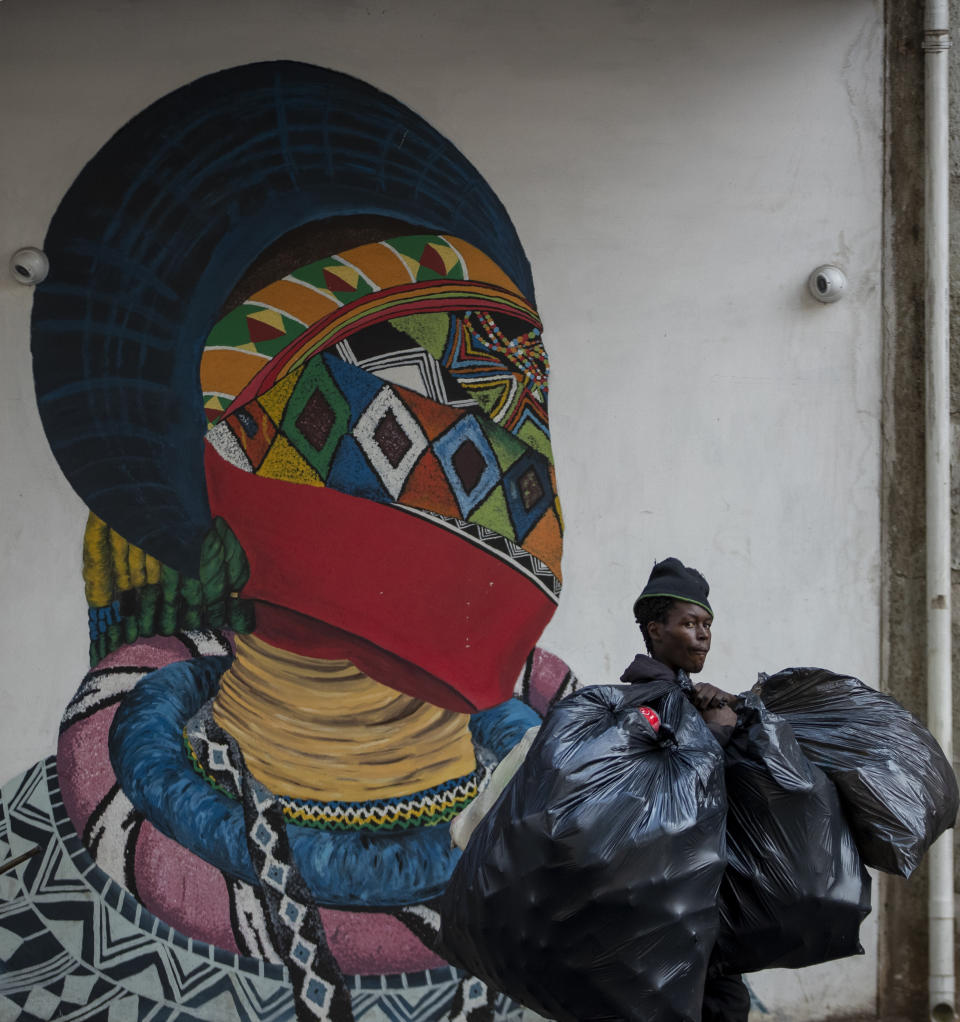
[644, 668]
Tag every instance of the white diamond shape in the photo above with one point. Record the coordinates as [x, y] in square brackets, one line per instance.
[392, 477]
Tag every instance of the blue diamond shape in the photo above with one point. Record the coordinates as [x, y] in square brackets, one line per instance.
[527, 475]
[277, 874]
[316, 992]
[467, 431]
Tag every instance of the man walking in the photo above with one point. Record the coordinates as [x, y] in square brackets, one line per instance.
[676, 621]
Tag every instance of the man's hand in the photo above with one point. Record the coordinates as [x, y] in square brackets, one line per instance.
[715, 705]
[709, 697]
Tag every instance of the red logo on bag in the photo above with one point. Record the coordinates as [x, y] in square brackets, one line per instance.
[651, 717]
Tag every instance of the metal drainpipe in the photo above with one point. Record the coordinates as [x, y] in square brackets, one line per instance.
[936, 43]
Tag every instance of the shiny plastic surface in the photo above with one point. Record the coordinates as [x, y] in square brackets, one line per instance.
[589, 891]
[794, 892]
[897, 787]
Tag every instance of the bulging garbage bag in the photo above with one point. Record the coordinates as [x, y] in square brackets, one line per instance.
[794, 892]
[898, 788]
[589, 890]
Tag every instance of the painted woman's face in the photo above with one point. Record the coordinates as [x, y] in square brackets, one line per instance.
[379, 443]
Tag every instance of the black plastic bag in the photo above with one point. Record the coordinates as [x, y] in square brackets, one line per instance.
[589, 889]
[898, 788]
[794, 892]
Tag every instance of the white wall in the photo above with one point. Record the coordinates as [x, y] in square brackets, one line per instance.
[675, 169]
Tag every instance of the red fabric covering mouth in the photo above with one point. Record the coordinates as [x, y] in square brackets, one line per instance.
[412, 604]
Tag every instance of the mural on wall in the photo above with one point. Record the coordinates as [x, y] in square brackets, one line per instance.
[289, 356]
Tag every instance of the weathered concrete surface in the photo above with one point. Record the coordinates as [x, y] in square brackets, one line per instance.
[902, 949]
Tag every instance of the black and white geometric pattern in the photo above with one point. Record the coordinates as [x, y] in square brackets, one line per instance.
[320, 992]
[205, 642]
[99, 688]
[211, 746]
[386, 352]
[248, 919]
[473, 1000]
[105, 685]
[74, 945]
[442, 994]
[493, 542]
[110, 837]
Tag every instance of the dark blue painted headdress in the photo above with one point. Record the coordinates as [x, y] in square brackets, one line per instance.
[159, 226]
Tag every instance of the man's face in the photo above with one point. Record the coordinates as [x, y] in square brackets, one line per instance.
[683, 640]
